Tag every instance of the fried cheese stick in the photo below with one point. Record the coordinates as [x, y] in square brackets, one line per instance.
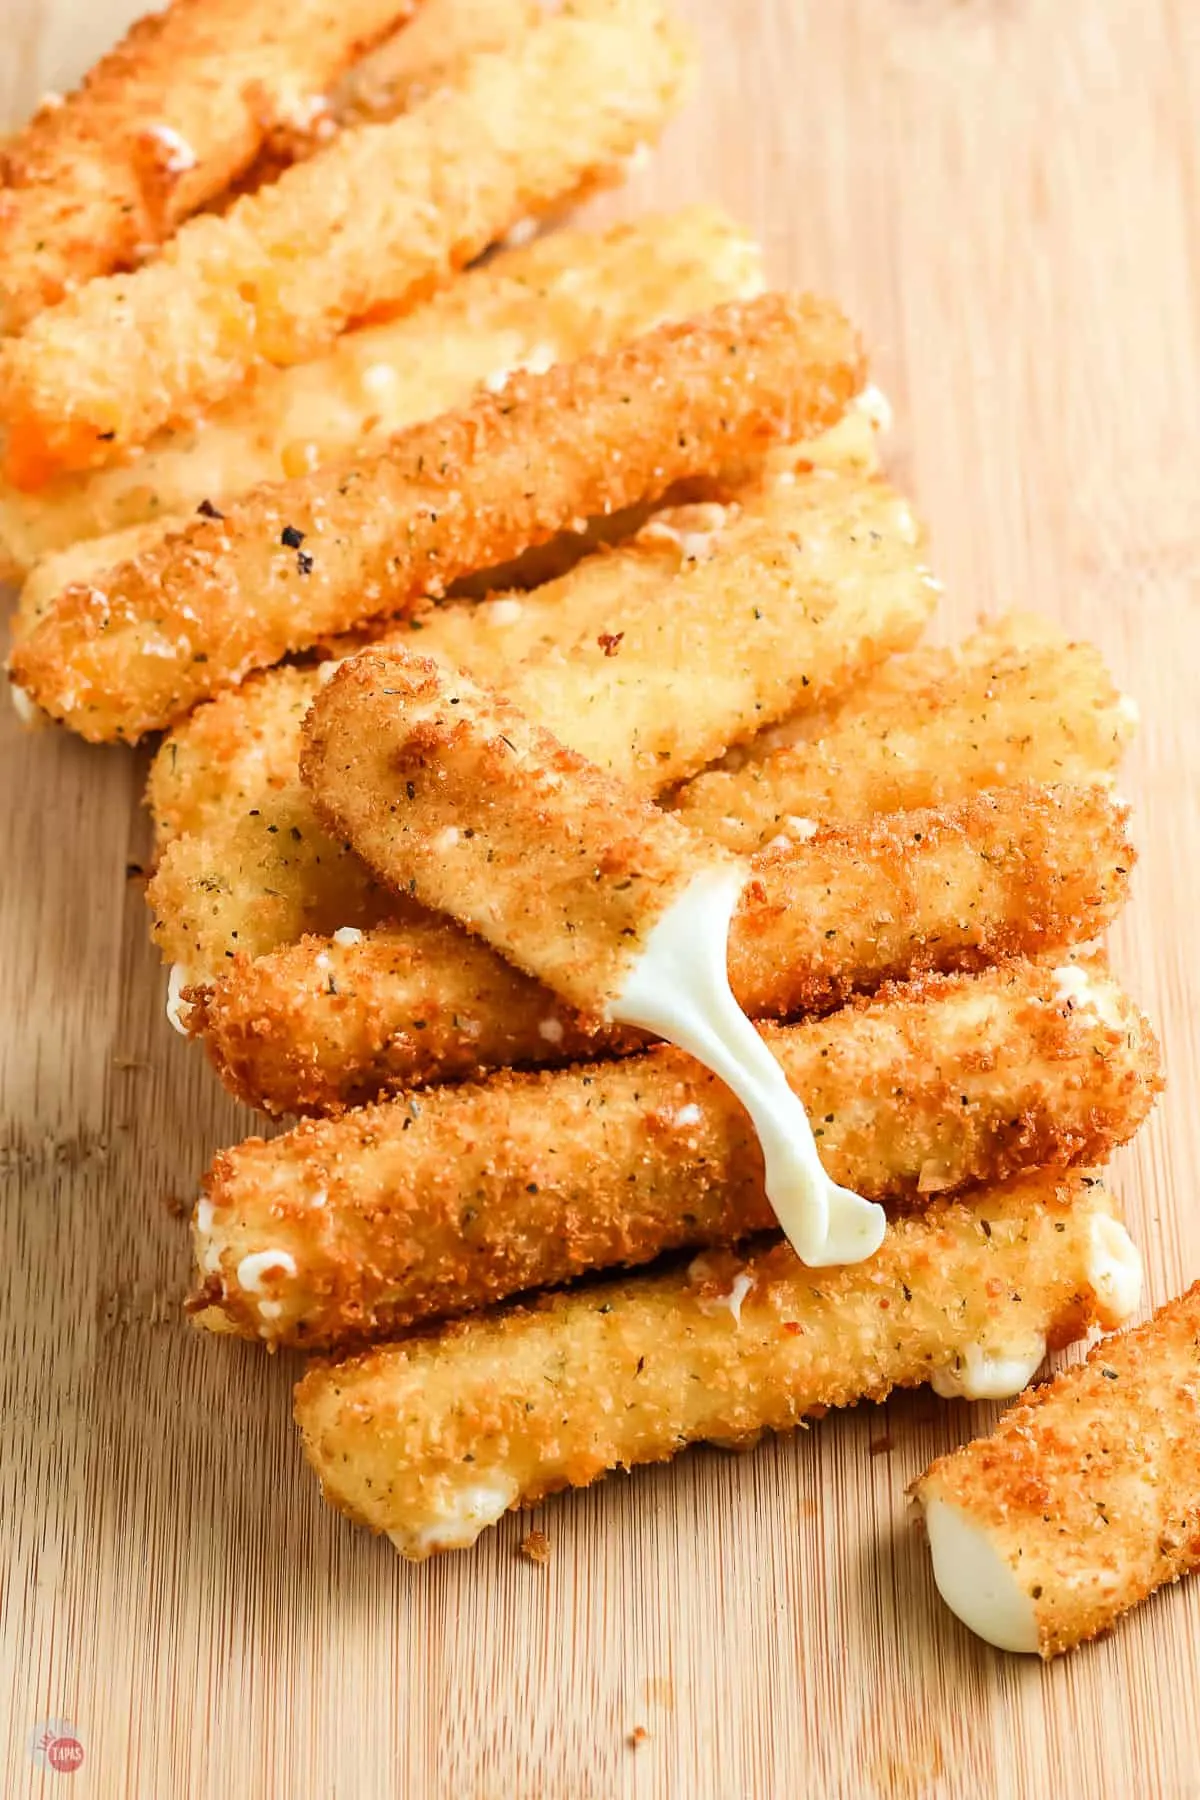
[976, 716]
[787, 595]
[455, 798]
[1083, 1500]
[338, 1020]
[292, 564]
[382, 213]
[233, 750]
[436, 1204]
[180, 108]
[426, 53]
[432, 1440]
[555, 300]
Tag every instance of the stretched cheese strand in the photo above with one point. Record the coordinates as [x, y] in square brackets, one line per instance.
[433, 1440]
[456, 799]
[434, 1204]
[1083, 1500]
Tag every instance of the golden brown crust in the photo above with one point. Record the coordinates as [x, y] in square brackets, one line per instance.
[1089, 1488]
[562, 297]
[444, 1202]
[160, 125]
[431, 1439]
[781, 596]
[292, 564]
[383, 213]
[320, 1024]
[457, 800]
[1010, 704]
[428, 52]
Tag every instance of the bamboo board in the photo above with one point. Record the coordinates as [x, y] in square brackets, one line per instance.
[1006, 194]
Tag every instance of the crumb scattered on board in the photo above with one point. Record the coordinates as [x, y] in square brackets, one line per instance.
[535, 1547]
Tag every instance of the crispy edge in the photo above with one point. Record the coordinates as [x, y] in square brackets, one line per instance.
[1090, 1485]
[434, 1438]
[384, 210]
[182, 104]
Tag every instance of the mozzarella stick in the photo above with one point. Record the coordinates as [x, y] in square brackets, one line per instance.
[338, 1020]
[97, 180]
[553, 301]
[436, 1204]
[785, 596]
[452, 796]
[382, 213]
[426, 53]
[434, 1439]
[1083, 1500]
[1034, 708]
[292, 564]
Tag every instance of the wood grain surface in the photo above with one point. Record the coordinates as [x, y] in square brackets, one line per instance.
[1006, 193]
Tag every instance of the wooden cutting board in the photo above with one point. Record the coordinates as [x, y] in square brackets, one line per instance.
[1006, 194]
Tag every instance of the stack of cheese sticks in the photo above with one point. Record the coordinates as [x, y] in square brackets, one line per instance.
[500, 612]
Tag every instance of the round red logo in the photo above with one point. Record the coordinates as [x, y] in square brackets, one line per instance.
[65, 1754]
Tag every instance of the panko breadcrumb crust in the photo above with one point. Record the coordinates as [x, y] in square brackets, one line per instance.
[451, 1199]
[177, 110]
[561, 297]
[1089, 1488]
[327, 1022]
[382, 214]
[434, 1438]
[294, 563]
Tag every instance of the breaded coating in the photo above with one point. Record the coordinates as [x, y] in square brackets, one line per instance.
[332, 1021]
[436, 1204]
[1088, 1492]
[607, 656]
[91, 559]
[375, 218]
[426, 53]
[1035, 708]
[553, 301]
[433, 1439]
[290, 565]
[179, 109]
[451, 795]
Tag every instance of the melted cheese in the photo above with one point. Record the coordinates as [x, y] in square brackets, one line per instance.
[178, 1008]
[472, 1510]
[679, 989]
[975, 1581]
[1114, 1269]
[979, 1374]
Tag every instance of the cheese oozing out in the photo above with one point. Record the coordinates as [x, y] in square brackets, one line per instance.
[26, 708]
[979, 1374]
[473, 1510]
[978, 1585]
[679, 989]
[1114, 1270]
[178, 1009]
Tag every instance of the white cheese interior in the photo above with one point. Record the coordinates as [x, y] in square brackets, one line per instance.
[980, 1374]
[474, 1508]
[976, 1582]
